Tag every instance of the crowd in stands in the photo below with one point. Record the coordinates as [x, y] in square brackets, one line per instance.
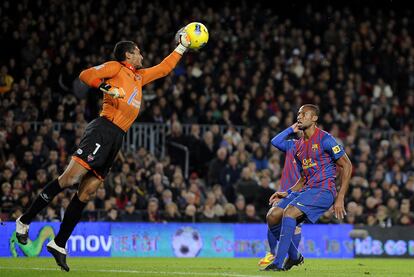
[259, 67]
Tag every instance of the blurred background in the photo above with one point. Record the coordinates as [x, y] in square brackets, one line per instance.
[200, 149]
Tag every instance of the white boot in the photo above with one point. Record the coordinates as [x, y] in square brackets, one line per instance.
[22, 231]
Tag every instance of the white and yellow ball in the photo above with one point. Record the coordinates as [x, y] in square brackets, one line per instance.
[198, 35]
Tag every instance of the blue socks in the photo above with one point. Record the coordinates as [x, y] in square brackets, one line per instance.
[273, 234]
[288, 230]
[293, 248]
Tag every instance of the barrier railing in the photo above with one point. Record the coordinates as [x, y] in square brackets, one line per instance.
[152, 136]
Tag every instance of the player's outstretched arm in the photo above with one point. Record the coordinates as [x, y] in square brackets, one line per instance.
[280, 142]
[344, 176]
[168, 64]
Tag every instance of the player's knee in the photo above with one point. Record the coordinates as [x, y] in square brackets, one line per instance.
[274, 216]
[290, 211]
[66, 180]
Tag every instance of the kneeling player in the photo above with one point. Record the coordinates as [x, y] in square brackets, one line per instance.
[317, 154]
[290, 175]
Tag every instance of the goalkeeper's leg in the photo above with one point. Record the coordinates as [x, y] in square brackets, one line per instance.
[71, 176]
[86, 192]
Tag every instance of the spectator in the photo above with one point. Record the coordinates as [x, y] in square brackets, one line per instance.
[260, 159]
[64, 203]
[263, 195]
[240, 207]
[7, 201]
[171, 213]
[6, 80]
[246, 186]
[190, 214]
[112, 215]
[216, 166]
[230, 214]
[176, 138]
[229, 176]
[384, 220]
[152, 214]
[251, 216]
[51, 215]
[100, 198]
[90, 213]
[121, 199]
[218, 193]
[130, 215]
[167, 198]
[207, 150]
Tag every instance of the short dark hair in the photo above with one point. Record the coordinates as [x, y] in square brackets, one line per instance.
[314, 108]
[122, 47]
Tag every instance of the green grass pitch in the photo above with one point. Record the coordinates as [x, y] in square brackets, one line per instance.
[92, 267]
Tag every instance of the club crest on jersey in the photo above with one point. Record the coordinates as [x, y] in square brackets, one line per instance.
[336, 149]
[315, 147]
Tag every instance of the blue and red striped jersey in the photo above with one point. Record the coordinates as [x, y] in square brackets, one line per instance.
[316, 159]
[290, 172]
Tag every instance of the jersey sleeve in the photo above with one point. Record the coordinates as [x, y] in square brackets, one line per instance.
[280, 142]
[160, 70]
[334, 149]
[94, 76]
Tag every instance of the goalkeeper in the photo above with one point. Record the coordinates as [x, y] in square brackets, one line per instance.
[121, 81]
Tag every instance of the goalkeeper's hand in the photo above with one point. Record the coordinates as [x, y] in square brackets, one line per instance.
[183, 40]
[112, 91]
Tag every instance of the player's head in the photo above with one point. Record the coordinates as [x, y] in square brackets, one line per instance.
[128, 51]
[307, 116]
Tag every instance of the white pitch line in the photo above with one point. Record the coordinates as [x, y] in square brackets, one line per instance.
[131, 271]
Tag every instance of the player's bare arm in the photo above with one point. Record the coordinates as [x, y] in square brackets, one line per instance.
[344, 176]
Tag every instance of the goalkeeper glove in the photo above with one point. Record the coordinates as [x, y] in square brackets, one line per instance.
[112, 91]
[183, 41]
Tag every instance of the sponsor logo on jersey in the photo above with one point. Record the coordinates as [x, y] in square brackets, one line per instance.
[307, 163]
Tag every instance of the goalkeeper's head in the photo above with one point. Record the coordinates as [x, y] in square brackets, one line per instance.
[128, 51]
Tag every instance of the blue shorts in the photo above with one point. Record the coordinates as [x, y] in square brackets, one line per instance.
[313, 202]
[284, 202]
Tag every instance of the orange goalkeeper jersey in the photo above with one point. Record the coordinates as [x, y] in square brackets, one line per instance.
[123, 112]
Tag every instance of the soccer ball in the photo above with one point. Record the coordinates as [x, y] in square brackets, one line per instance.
[198, 35]
[186, 242]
